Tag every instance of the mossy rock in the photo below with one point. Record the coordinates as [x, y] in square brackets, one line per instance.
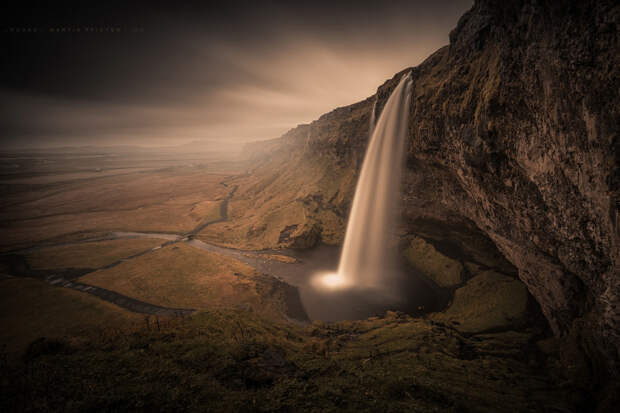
[473, 268]
[306, 237]
[444, 271]
[489, 301]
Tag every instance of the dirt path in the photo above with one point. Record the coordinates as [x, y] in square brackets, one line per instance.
[120, 300]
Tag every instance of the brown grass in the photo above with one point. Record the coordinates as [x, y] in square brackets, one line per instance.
[71, 176]
[276, 196]
[88, 255]
[182, 276]
[30, 309]
[161, 201]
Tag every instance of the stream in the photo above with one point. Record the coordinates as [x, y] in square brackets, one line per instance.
[417, 295]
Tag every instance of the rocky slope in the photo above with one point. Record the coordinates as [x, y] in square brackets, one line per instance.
[513, 135]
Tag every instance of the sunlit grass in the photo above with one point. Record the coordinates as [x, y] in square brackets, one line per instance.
[88, 255]
[181, 276]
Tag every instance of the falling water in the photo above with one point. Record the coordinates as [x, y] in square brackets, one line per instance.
[372, 118]
[365, 251]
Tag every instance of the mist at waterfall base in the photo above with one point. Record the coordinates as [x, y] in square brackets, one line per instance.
[370, 275]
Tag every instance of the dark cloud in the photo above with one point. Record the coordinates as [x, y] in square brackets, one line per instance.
[233, 70]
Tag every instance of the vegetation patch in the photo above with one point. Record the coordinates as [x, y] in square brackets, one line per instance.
[31, 308]
[171, 200]
[444, 271]
[277, 206]
[489, 301]
[181, 276]
[232, 361]
[88, 254]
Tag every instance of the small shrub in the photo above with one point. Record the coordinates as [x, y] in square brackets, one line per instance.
[46, 346]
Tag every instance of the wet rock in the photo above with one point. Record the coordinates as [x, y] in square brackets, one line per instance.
[393, 315]
[473, 268]
[548, 346]
[285, 234]
[489, 301]
[444, 271]
[307, 237]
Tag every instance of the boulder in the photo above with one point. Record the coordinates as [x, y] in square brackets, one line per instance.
[488, 302]
[444, 271]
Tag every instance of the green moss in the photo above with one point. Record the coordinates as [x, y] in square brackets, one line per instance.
[235, 361]
[444, 271]
[489, 301]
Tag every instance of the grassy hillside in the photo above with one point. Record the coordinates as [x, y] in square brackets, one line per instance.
[238, 361]
[181, 276]
[31, 308]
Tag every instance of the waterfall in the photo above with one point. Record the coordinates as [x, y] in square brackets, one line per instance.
[372, 117]
[365, 251]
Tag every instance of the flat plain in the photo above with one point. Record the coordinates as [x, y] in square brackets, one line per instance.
[91, 255]
[63, 211]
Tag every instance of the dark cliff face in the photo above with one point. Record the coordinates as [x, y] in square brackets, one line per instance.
[520, 117]
[514, 128]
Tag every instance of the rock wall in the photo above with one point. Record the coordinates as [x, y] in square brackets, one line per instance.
[514, 129]
[519, 117]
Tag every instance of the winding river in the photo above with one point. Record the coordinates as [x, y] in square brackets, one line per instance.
[417, 296]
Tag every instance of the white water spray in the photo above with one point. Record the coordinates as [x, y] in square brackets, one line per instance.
[365, 251]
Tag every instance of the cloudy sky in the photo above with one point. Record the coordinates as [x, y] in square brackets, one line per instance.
[166, 74]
